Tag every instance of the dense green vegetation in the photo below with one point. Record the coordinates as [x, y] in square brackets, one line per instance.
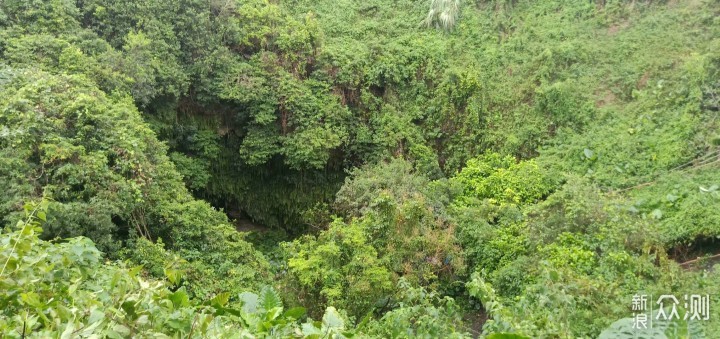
[444, 168]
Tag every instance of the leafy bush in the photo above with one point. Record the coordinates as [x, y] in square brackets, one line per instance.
[109, 177]
[404, 217]
[418, 314]
[502, 180]
[66, 289]
[340, 268]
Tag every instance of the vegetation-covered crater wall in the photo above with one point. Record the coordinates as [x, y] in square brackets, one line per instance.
[417, 168]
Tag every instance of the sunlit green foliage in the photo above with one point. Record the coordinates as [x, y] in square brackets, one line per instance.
[340, 268]
[396, 228]
[419, 313]
[541, 160]
[109, 177]
[502, 180]
[404, 217]
[66, 289]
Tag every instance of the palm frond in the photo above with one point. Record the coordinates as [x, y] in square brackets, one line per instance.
[443, 14]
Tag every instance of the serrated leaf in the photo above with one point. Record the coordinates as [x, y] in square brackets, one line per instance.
[220, 300]
[269, 299]
[173, 275]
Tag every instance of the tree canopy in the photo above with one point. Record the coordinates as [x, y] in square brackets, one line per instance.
[435, 168]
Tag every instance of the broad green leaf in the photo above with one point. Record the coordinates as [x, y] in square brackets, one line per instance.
[129, 308]
[332, 319]
[219, 300]
[250, 302]
[295, 313]
[180, 298]
[68, 332]
[273, 313]
[309, 329]
[173, 275]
